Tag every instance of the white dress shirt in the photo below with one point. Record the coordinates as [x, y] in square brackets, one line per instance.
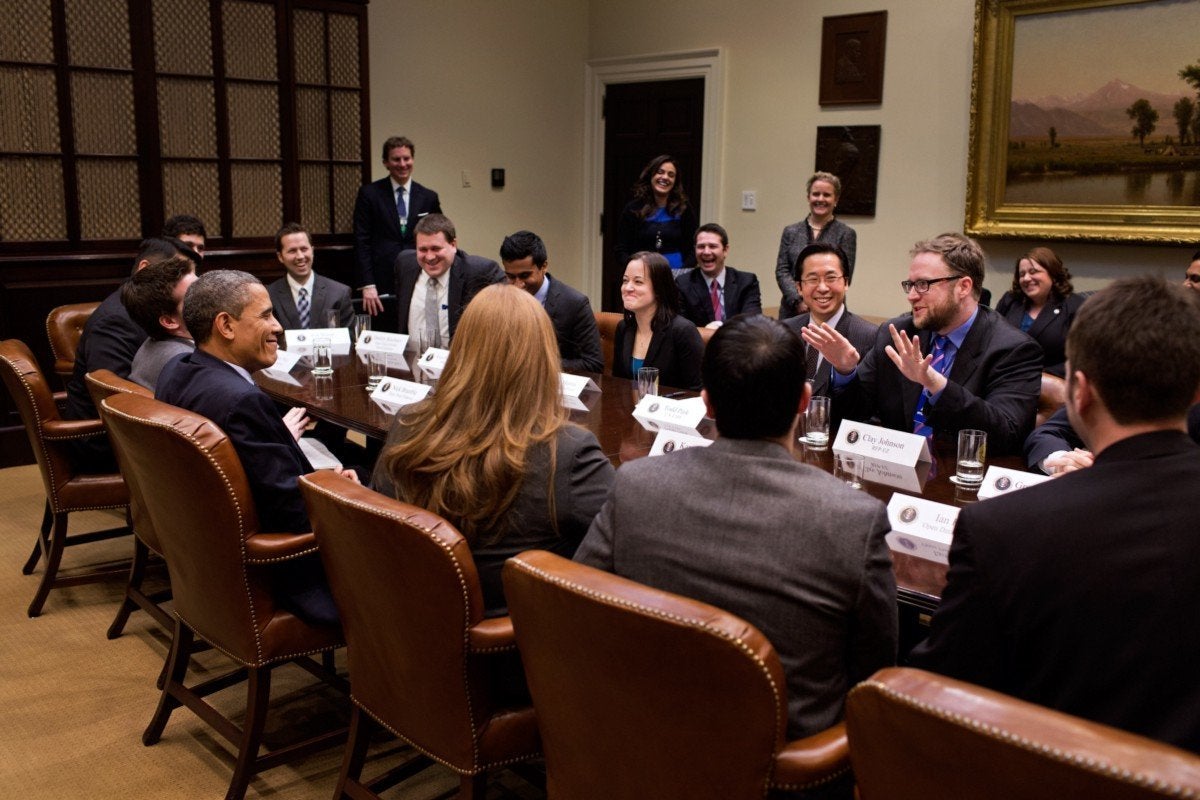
[416, 311]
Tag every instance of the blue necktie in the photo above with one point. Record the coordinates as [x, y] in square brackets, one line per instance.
[401, 209]
[302, 307]
[941, 364]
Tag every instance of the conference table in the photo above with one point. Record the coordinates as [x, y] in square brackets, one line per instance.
[344, 400]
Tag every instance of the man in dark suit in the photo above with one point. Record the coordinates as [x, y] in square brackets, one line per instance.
[735, 292]
[679, 522]
[229, 315]
[525, 264]
[951, 364]
[110, 340]
[1080, 594]
[302, 287]
[438, 279]
[386, 214]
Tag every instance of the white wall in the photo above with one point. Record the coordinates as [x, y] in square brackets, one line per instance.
[478, 85]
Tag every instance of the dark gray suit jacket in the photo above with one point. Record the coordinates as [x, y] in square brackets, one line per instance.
[327, 295]
[860, 333]
[468, 274]
[789, 548]
[741, 295]
[574, 327]
[795, 238]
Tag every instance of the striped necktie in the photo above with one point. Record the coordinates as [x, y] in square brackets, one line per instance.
[941, 364]
[302, 307]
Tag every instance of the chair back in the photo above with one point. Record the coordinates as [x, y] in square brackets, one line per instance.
[104, 383]
[34, 400]
[607, 321]
[407, 592]
[193, 486]
[64, 327]
[1051, 397]
[914, 735]
[642, 693]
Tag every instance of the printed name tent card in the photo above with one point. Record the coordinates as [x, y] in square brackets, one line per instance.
[1001, 480]
[284, 362]
[395, 393]
[381, 342]
[301, 341]
[921, 527]
[881, 444]
[662, 413]
[670, 441]
[573, 387]
[433, 361]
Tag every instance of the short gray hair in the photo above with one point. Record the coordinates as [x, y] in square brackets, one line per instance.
[213, 292]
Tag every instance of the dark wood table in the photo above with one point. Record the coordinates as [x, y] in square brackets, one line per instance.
[343, 399]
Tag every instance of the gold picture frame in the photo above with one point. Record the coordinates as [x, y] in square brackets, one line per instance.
[1019, 186]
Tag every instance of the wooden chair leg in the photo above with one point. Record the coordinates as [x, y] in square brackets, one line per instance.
[42, 542]
[137, 575]
[58, 538]
[473, 787]
[258, 695]
[356, 753]
[181, 648]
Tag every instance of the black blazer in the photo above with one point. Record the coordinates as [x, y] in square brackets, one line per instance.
[993, 385]
[377, 238]
[860, 333]
[635, 234]
[1049, 329]
[468, 274]
[574, 327]
[741, 292]
[327, 295]
[676, 350]
[1056, 433]
[1080, 594]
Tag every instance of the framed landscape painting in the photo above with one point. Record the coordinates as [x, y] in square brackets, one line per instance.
[1085, 120]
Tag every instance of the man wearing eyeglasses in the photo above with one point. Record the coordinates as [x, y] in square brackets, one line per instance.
[951, 364]
[1191, 278]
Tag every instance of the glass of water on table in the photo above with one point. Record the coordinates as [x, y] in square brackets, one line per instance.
[972, 456]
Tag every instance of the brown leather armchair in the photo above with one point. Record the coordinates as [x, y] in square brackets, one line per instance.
[66, 490]
[607, 321]
[914, 735]
[104, 383]
[642, 693]
[64, 327]
[200, 506]
[1052, 397]
[420, 651]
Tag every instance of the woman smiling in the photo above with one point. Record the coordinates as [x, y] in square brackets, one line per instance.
[1042, 303]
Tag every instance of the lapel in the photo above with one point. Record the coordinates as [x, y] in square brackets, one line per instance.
[912, 391]
[454, 293]
[729, 290]
[700, 299]
[281, 298]
[317, 305]
[407, 274]
[626, 354]
[967, 360]
[656, 342]
[1050, 312]
[387, 202]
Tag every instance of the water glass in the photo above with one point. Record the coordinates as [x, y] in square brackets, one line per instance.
[850, 469]
[816, 422]
[972, 456]
[647, 381]
[322, 356]
[323, 387]
[361, 323]
[378, 364]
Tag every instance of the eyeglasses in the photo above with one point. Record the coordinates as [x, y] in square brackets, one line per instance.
[1192, 278]
[922, 286]
[830, 280]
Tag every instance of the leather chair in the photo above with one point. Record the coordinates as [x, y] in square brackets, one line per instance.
[914, 735]
[66, 490]
[201, 509]
[1052, 396]
[607, 321]
[104, 383]
[418, 646]
[642, 693]
[64, 327]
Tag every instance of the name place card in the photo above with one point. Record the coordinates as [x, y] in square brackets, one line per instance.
[381, 342]
[318, 454]
[664, 414]
[921, 527]
[573, 386]
[433, 361]
[669, 442]
[284, 361]
[882, 444]
[301, 341]
[395, 393]
[898, 476]
[1001, 480]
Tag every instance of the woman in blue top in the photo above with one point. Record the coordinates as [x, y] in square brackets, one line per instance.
[660, 219]
[1043, 304]
[653, 334]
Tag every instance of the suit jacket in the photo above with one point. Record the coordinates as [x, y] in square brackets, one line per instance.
[680, 523]
[795, 238]
[574, 327]
[676, 350]
[1049, 329]
[860, 333]
[741, 295]
[377, 237]
[635, 234]
[1056, 433]
[269, 454]
[153, 355]
[468, 274]
[1080, 594]
[993, 385]
[327, 295]
[583, 476]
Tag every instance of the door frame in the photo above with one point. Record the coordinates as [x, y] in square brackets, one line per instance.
[708, 64]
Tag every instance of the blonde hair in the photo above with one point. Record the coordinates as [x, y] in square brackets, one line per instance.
[465, 449]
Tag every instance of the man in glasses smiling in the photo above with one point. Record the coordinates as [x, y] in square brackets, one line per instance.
[951, 364]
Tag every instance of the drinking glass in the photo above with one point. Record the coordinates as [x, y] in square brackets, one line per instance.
[972, 456]
[322, 356]
[816, 422]
[647, 381]
[378, 363]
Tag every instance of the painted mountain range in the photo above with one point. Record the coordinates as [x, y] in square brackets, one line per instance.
[1101, 113]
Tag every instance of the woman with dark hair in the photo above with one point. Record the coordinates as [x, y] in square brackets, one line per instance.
[823, 191]
[653, 334]
[492, 450]
[1042, 304]
[659, 219]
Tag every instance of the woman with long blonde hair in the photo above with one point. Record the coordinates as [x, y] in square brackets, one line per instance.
[492, 450]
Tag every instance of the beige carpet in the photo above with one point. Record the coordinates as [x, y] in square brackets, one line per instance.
[74, 704]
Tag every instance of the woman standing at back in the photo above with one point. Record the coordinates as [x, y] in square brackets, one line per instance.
[659, 219]
[823, 191]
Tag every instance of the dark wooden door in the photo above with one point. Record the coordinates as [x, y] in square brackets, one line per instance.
[643, 120]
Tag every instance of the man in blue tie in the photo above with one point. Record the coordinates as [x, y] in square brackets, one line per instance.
[950, 364]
